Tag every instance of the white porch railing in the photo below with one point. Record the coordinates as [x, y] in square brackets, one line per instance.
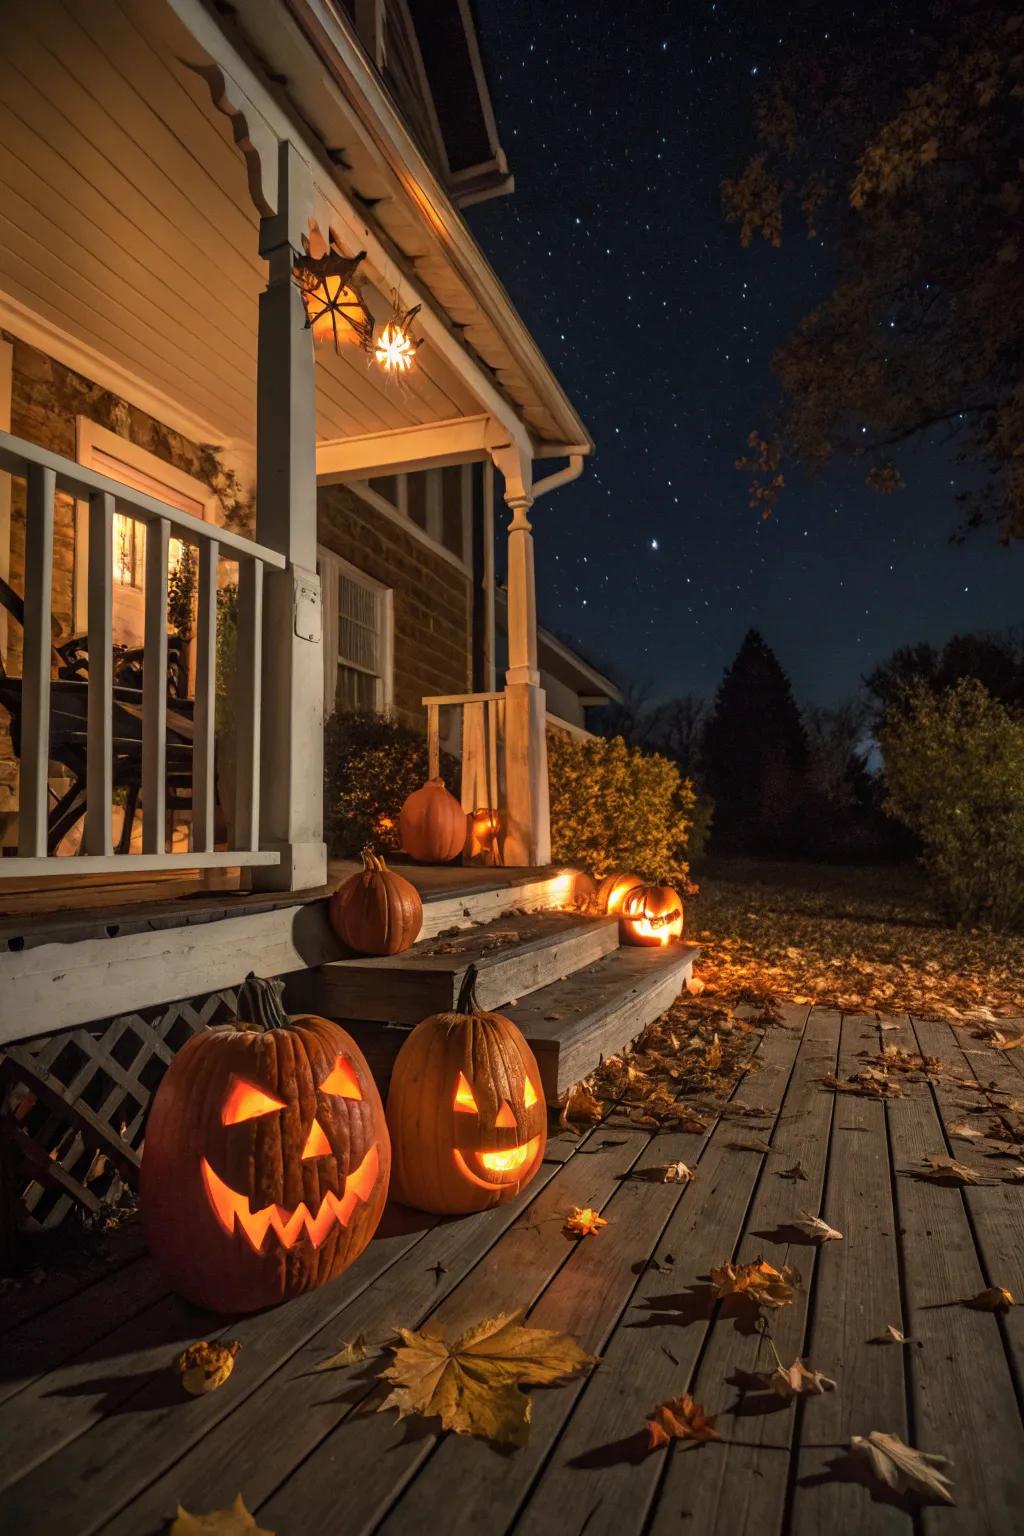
[46, 474]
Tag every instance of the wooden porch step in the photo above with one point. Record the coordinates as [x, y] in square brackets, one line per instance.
[572, 1023]
[600, 1010]
[513, 957]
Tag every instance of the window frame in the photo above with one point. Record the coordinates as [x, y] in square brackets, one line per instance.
[330, 566]
[432, 534]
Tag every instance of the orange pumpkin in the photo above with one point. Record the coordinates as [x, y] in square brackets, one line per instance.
[376, 912]
[266, 1161]
[432, 824]
[614, 889]
[466, 1111]
[651, 914]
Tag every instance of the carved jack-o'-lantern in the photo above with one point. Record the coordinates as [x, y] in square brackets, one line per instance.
[466, 1112]
[266, 1161]
[651, 914]
[614, 889]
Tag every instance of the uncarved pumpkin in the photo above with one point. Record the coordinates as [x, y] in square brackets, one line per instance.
[614, 889]
[266, 1160]
[376, 912]
[466, 1111]
[651, 914]
[432, 824]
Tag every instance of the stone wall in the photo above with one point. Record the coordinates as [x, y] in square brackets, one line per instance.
[431, 598]
[46, 398]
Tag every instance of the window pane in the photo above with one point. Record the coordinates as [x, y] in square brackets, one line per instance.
[386, 486]
[416, 493]
[356, 691]
[358, 624]
[451, 507]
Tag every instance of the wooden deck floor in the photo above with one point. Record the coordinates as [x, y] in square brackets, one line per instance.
[96, 1437]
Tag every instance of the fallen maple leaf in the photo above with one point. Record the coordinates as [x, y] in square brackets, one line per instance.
[995, 1298]
[796, 1380]
[796, 1172]
[680, 1419]
[694, 986]
[748, 1144]
[945, 1170]
[580, 1105]
[764, 1284]
[235, 1521]
[1006, 1043]
[204, 1367]
[903, 1468]
[472, 1384]
[892, 1335]
[676, 1173]
[965, 1132]
[583, 1221]
[348, 1354]
[814, 1227]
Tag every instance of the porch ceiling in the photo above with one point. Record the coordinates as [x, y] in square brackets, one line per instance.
[128, 239]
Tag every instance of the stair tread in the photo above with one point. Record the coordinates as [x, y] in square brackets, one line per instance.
[566, 1009]
[483, 946]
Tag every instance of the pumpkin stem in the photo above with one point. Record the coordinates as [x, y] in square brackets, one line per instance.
[262, 998]
[467, 1002]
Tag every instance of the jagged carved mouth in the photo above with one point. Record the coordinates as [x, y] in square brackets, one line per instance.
[233, 1209]
[511, 1162]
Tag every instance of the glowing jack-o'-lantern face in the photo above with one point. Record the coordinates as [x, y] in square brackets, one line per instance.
[266, 1163]
[466, 1112]
[651, 914]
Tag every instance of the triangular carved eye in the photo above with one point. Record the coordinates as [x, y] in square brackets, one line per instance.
[342, 1080]
[245, 1101]
[529, 1095]
[464, 1099]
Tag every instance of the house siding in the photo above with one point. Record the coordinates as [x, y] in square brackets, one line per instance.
[432, 607]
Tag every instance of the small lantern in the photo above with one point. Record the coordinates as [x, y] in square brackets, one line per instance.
[484, 833]
[334, 305]
[395, 348]
[651, 914]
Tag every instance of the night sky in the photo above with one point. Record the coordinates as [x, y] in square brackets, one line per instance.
[619, 122]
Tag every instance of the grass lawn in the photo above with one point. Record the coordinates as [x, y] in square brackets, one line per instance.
[856, 939]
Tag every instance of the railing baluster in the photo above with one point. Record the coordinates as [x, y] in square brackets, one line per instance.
[99, 755]
[35, 671]
[205, 705]
[248, 694]
[493, 793]
[154, 690]
[433, 740]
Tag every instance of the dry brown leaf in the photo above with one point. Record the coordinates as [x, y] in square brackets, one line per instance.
[796, 1172]
[235, 1521]
[814, 1227]
[902, 1468]
[680, 1419]
[965, 1132]
[748, 1144]
[946, 1170]
[995, 1298]
[713, 1058]
[1006, 1042]
[204, 1367]
[583, 1221]
[1015, 1175]
[892, 1335]
[348, 1354]
[797, 1380]
[694, 986]
[472, 1384]
[676, 1173]
[580, 1107]
[765, 1285]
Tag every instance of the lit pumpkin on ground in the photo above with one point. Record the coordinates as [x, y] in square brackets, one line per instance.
[432, 824]
[614, 889]
[376, 912]
[651, 914]
[266, 1160]
[466, 1111]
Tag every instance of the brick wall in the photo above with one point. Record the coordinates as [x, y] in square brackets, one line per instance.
[431, 598]
[46, 397]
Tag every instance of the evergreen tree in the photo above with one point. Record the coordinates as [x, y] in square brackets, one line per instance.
[755, 755]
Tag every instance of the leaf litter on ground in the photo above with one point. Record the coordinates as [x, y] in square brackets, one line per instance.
[903, 1468]
[680, 1418]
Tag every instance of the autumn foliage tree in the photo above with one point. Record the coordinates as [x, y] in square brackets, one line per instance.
[903, 152]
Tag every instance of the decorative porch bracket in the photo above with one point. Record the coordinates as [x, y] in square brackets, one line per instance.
[291, 757]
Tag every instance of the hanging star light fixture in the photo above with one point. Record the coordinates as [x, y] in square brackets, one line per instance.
[396, 347]
[335, 310]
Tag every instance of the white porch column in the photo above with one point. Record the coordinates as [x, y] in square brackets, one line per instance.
[291, 755]
[528, 834]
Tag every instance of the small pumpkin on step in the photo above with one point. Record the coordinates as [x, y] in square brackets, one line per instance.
[432, 824]
[376, 912]
[466, 1111]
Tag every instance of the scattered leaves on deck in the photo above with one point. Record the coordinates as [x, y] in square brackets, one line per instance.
[349, 1354]
[680, 1419]
[760, 1282]
[583, 1221]
[902, 1468]
[946, 1170]
[203, 1367]
[472, 1384]
[815, 1227]
[994, 1298]
[235, 1521]
[798, 1380]
[870, 1084]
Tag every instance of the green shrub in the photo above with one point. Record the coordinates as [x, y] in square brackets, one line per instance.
[615, 807]
[954, 769]
[371, 763]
